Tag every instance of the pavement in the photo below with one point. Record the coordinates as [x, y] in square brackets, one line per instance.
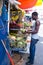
[39, 52]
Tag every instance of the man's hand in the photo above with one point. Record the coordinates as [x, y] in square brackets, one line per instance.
[28, 31]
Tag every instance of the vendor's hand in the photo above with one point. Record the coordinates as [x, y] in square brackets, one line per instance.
[29, 31]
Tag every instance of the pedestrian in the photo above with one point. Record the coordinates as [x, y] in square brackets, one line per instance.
[34, 37]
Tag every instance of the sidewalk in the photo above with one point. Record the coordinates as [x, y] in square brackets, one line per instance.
[39, 53]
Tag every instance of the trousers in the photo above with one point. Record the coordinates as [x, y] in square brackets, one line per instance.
[32, 50]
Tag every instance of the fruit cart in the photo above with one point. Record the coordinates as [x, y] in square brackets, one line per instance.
[19, 39]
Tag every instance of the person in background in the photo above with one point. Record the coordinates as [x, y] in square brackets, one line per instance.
[34, 37]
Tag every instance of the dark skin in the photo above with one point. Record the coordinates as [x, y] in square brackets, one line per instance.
[36, 28]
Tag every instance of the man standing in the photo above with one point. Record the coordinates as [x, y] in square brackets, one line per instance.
[34, 38]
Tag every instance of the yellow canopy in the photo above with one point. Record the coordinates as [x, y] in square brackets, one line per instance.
[39, 2]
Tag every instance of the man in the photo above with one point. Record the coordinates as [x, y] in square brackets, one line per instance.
[34, 37]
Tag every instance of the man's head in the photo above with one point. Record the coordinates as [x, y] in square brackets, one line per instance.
[34, 15]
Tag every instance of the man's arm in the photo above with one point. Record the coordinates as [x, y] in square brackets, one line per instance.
[36, 28]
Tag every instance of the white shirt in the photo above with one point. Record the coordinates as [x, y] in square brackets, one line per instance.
[35, 36]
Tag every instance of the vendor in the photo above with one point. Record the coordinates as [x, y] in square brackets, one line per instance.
[34, 37]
